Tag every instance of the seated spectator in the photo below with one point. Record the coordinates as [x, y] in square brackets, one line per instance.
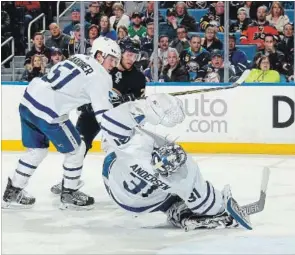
[119, 18]
[174, 71]
[93, 16]
[197, 4]
[286, 44]
[122, 33]
[75, 17]
[36, 68]
[136, 29]
[210, 41]
[183, 18]
[58, 39]
[56, 57]
[252, 6]
[148, 15]
[277, 17]
[134, 6]
[262, 72]
[149, 72]
[105, 28]
[256, 31]
[93, 33]
[215, 18]
[74, 46]
[163, 49]
[276, 58]
[181, 42]
[107, 8]
[237, 58]
[214, 72]
[38, 48]
[147, 42]
[169, 27]
[194, 57]
[242, 22]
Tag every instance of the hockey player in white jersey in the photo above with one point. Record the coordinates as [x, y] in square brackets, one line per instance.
[44, 112]
[145, 173]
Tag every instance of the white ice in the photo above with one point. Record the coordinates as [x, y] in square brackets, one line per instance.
[109, 230]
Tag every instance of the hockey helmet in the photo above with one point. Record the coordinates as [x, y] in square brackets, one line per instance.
[106, 46]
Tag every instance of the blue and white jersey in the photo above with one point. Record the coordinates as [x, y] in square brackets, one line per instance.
[71, 83]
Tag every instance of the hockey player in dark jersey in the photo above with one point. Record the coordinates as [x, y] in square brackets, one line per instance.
[128, 85]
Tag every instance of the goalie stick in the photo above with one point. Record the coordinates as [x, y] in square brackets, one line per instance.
[235, 84]
[258, 206]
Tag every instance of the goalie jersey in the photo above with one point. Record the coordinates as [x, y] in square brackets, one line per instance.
[69, 84]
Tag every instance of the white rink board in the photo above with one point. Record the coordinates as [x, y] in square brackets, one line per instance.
[248, 115]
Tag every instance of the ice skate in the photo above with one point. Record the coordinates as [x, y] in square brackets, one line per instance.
[16, 198]
[76, 200]
[56, 189]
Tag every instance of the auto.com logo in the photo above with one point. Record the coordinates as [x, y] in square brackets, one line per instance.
[206, 115]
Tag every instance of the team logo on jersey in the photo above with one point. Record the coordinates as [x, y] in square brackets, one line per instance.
[118, 76]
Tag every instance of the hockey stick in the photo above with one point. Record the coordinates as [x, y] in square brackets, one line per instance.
[258, 206]
[236, 84]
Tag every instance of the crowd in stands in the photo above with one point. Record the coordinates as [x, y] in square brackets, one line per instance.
[189, 49]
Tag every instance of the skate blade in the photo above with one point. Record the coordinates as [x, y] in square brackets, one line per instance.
[66, 206]
[15, 206]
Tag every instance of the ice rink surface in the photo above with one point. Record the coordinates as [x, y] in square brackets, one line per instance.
[109, 230]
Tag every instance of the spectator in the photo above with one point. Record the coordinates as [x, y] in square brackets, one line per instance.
[194, 57]
[93, 33]
[93, 16]
[252, 6]
[74, 46]
[215, 18]
[277, 16]
[75, 17]
[234, 6]
[107, 8]
[163, 49]
[181, 42]
[262, 72]
[276, 57]
[256, 31]
[169, 27]
[174, 71]
[38, 48]
[237, 58]
[5, 22]
[122, 33]
[5, 32]
[286, 45]
[214, 72]
[197, 4]
[183, 18]
[36, 68]
[58, 39]
[149, 72]
[55, 57]
[148, 15]
[242, 22]
[210, 41]
[136, 30]
[119, 19]
[106, 29]
[134, 6]
[147, 42]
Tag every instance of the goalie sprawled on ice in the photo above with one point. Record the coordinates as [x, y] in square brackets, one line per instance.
[144, 173]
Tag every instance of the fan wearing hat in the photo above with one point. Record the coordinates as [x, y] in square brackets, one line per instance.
[75, 19]
[170, 26]
[136, 29]
[214, 71]
[56, 57]
[242, 23]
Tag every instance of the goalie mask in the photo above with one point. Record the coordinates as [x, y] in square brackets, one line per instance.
[167, 159]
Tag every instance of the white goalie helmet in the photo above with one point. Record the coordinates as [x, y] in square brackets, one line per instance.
[106, 46]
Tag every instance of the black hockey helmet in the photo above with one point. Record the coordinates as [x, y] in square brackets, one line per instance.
[131, 45]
